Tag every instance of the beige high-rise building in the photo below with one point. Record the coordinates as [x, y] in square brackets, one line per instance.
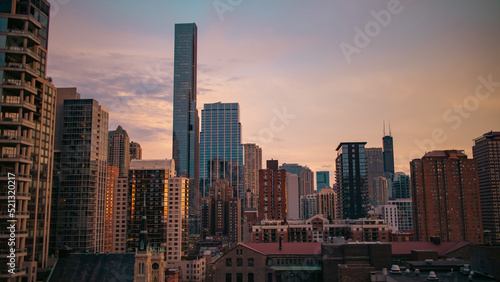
[327, 201]
[177, 228]
[135, 151]
[380, 191]
[111, 176]
[119, 150]
[119, 242]
[252, 162]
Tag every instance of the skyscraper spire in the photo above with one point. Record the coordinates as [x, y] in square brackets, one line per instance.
[390, 128]
[384, 127]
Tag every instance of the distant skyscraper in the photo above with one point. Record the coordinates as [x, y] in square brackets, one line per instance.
[401, 186]
[252, 162]
[292, 198]
[388, 146]
[308, 206]
[111, 177]
[149, 180]
[374, 167]
[293, 168]
[221, 152]
[135, 151]
[272, 192]
[185, 135]
[405, 213]
[224, 212]
[445, 194]
[486, 151]
[26, 135]
[351, 179]
[79, 198]
[322, 180]
[327, 201]
[306, 185]
[380, 191]
[119, 150]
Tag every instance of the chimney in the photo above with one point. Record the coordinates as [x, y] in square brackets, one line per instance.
[281, 239]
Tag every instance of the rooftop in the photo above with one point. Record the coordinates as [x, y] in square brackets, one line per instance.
[287, 248]
[405, 248]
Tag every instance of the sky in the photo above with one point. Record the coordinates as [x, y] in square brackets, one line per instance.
[307, 74]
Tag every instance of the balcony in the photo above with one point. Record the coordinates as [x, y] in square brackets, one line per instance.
[16, 158]
[18, 215]
[16, 102]
[23, 33]
[18, 84]
[19, 272]
[19, 252]
[22, 51]
[16, 140]
[17, 121]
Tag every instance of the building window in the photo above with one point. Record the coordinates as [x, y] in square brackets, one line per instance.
[239, 277]
[239, 262]
[228, 277]
[250, 262]
[269, 277]
[228, 262]
[250, 277]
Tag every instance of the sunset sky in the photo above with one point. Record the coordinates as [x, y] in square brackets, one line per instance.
[424, 65]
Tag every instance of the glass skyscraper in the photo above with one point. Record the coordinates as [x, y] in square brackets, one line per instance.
[185, 135]
[351, 179]
[221, 151]
[322, 180]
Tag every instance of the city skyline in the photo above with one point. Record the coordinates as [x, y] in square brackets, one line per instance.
[272, 51]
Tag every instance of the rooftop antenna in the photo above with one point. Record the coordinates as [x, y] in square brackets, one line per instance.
[390, 128]
[384, 127]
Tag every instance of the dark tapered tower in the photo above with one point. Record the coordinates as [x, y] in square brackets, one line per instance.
[185, 146]
[388, 146]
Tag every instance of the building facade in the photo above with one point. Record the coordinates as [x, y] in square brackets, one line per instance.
[148, 195]
[112, 174]
[351, 179]
[177, 228]
[446, 201]
[486, 151]
[405, 213]
[252, 163]
[120, 208]
[374, 167]
[380, 191]
[27, 115]
[327, 201]
[79, 196]
[308, 206]
[401, 186]
[185, 133]
[119, 150]
[135, 151]
[221, 152]
[322, 180]
[292, 196]
[272, 192]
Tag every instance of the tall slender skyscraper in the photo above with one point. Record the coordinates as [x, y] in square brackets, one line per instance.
[374, 168]
[185, 135]
[27, 117]
[486, 151]
[388, 146]
[351, 179]
[221, 152]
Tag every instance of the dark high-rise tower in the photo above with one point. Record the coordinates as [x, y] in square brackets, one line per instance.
[185, 127]
[351, 179]
[119, 150]
[185, 135]
[388, 147]
[486, 151]
[27, 117]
